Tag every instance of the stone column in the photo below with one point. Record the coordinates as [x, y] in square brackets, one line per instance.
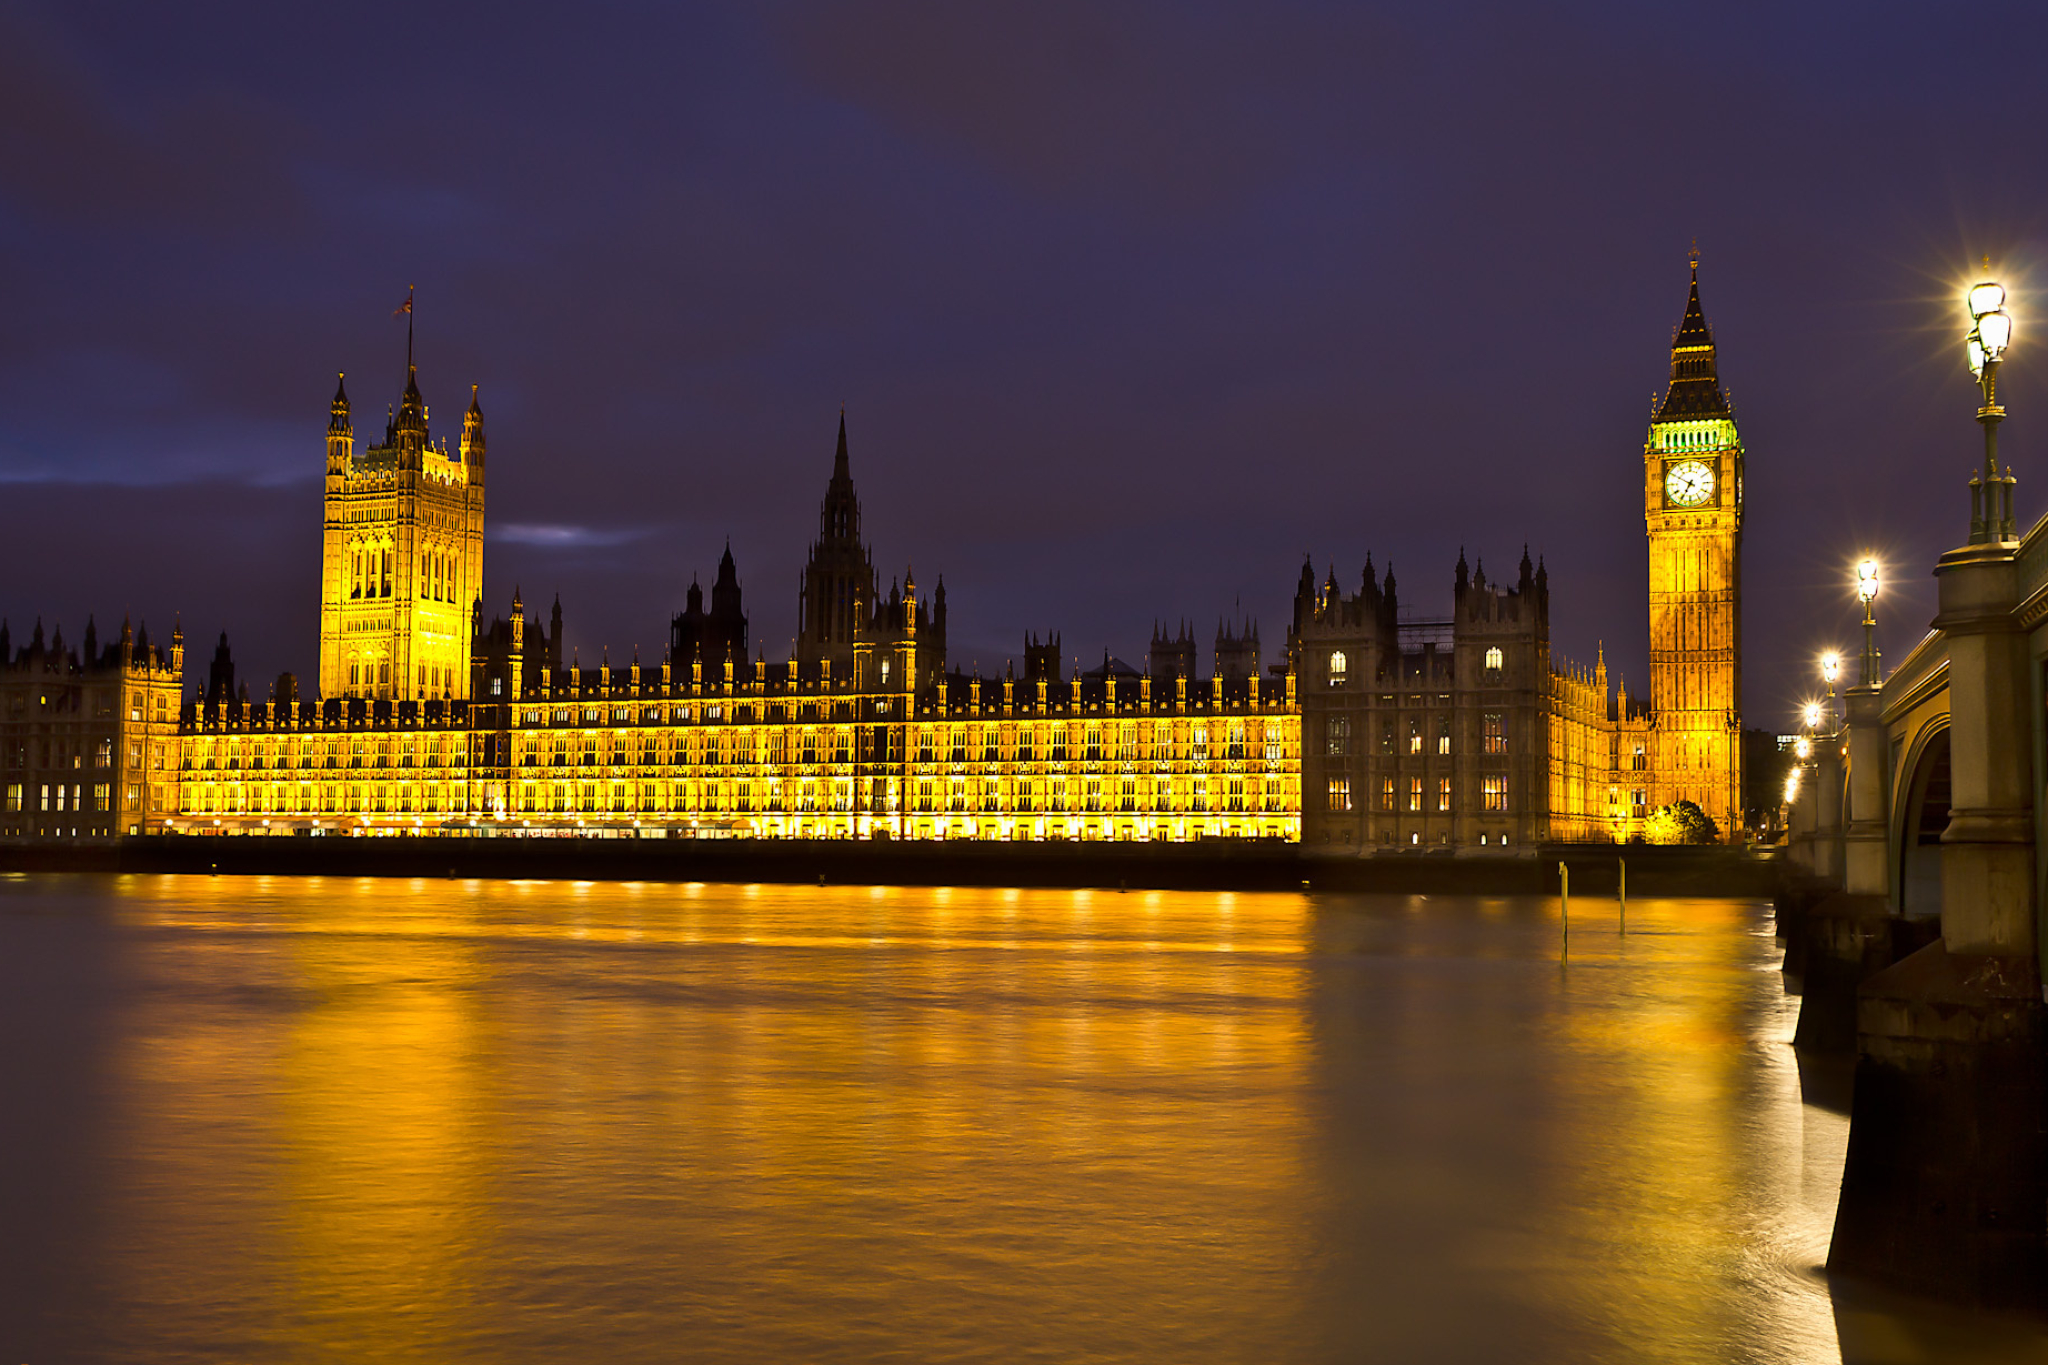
[1844, 937]
[1801, 817]
[1827, 816]
[1865, 871]
[1987, 864]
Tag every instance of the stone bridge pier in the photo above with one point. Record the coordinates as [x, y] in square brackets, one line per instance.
[1945, 1190]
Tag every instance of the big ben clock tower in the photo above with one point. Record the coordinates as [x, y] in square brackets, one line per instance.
[1692, 511]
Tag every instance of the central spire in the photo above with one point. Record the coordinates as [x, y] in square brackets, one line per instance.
[1695, 389]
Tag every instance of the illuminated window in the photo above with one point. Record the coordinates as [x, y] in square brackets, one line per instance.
[1340, 793]
[1415, 794]
[1443, 795]
[1494, 659]
[1387, 794]
[1337, 731]
[1338, 666]
[1443, 734]
[1414, 736]
[1494, 738]
[1493, 793]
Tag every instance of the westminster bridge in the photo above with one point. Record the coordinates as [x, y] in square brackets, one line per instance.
[1916, 934]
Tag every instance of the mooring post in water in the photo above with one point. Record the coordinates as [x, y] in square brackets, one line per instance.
[1564, 880]
[1622, 895]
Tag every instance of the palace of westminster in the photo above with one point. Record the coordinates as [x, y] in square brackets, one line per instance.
[1373, 732]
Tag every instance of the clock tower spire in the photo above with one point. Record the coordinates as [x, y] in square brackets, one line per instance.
[1692, 513]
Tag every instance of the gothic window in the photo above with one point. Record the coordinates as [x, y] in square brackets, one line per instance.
[1415, 794]
[1443, 795]
[1443, 734]
[1338, 666]
[1414, 736]
[1337, 731]
[1387, 793]
[1494, 737]
[1340, 793]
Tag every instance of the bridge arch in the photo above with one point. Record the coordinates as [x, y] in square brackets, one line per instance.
[1918, 821]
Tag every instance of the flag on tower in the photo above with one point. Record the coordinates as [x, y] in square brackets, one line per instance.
[405, 307]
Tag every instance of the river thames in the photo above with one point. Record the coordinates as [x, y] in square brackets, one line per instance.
[340, 1119]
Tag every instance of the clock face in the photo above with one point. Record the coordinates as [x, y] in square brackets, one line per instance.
[1689, 484]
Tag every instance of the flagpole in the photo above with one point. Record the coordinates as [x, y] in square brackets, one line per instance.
[408, 328]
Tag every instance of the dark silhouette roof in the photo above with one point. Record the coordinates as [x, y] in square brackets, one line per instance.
[1695, 389]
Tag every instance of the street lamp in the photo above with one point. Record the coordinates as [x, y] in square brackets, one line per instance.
[1866, 593]
[1830, 669]
[1990, 334]
[1812, 714]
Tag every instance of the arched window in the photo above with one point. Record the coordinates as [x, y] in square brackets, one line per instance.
[1494, 659]
[1338, 666]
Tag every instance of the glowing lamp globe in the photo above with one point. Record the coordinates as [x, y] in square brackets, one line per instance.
[1987, 297]
[1812, 718]
[1866, 580]
[1831, 667]
[1994, 331]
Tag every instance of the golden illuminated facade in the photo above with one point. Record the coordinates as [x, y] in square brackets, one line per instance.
[1378, 733]
[1692, 511]
[638, 752]
[864, 733]
[402, 559]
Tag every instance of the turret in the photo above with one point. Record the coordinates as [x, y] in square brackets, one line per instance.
[409, 427]
[341, 432]
[473, 438]
[518, 656]
[220, 677]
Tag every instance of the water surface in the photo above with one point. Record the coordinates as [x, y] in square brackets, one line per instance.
[335, 1119]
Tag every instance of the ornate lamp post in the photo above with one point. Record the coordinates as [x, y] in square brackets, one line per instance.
[1866, 593]
[1990, 334]
[1830, 670]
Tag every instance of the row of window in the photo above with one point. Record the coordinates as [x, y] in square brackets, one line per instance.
[1493, 794]
[1492, 735]
[59, 796]
[1338, 667]
[57, 754]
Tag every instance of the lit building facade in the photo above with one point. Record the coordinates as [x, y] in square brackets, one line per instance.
[863, 733]
[1464, 731]
[1692, 510]
[402, 555]
[89, 737]
[1377, 732]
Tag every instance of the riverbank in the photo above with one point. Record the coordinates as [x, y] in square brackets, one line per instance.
[1207, 865]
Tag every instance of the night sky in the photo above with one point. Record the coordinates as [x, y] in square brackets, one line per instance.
[1129, 306]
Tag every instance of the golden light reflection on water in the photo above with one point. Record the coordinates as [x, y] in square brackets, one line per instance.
[520, 1121]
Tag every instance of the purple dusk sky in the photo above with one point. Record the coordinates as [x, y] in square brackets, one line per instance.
[1130, 305]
